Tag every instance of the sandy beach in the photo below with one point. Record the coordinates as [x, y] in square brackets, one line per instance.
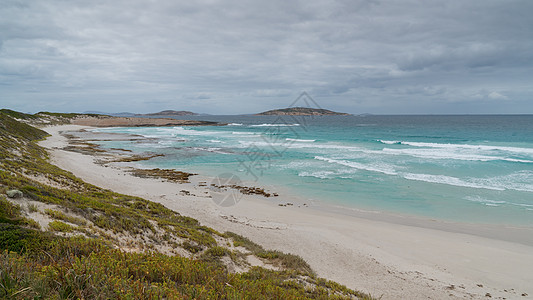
[393, 259]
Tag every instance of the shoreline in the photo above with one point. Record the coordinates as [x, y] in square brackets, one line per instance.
[372, 255]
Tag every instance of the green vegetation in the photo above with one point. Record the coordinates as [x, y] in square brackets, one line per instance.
[88, 262]
[61, 216]
[11, 214]
[288, 261]
[60, 226]
[64, 115]
[10, 127]
[20, 239]
[42, 118]
[32, 208]
[78, 268]
[17, 115]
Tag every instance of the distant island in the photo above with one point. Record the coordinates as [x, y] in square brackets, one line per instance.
[171, 113]
[301, 111]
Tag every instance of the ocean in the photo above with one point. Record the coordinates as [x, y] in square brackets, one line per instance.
[472, 169]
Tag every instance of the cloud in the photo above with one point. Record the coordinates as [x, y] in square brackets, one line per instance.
[485, 95]
[229, 56]
[497, 96]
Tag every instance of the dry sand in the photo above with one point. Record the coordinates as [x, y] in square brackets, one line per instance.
[388, 259]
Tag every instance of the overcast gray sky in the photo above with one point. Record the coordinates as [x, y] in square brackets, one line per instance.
[231, 57]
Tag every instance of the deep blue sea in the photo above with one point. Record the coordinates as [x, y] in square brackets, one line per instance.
[476, 169]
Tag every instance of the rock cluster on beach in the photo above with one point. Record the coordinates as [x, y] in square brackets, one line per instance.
[168, 174]
[247, 190]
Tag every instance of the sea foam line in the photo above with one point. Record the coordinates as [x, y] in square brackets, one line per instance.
[380, 169]
[439, 154]
[298, 140]
[274, 125]
[317, 174]
[496, 184]
[488, 202]
[462, 146]
[449, 180]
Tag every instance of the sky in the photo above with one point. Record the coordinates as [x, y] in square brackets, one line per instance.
[237, 57]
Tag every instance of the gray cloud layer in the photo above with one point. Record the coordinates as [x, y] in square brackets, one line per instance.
[408, 56]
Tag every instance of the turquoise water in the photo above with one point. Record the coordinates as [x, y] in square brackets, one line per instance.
[462, 168]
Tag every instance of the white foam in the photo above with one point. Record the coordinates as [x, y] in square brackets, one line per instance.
[175, 131]
[215, 141]
[390, 142]
[234, 124]
[385, 169]
[518, 181]
[165, 143]
[298, 140]
[449, 180]
[489, 202]
[211, 149]
[243, 133]
[439, 154]
[274, 125]
[298, 145]
[527, 206]
[317, 174]
[484, 201]
[147, 145]
[518, 150]
[300, 164]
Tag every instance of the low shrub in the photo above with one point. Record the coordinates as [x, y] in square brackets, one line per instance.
[60, 226]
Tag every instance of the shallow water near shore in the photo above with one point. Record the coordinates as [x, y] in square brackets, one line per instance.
[475, 169]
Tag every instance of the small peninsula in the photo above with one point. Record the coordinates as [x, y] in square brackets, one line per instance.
[301, 111]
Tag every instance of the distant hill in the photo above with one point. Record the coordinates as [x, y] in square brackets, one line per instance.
[302, 111]
[172, 113]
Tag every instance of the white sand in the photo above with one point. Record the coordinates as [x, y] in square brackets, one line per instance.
[385, 259]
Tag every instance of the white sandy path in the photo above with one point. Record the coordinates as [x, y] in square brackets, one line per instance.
[384, 259]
